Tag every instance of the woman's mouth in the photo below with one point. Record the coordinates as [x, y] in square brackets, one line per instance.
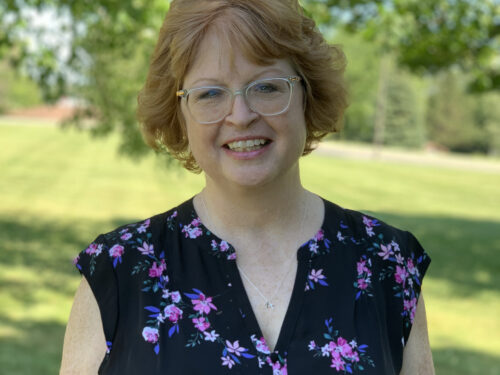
[247, 145]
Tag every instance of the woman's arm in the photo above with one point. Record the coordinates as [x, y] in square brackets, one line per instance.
[417, 356]
[84, 342]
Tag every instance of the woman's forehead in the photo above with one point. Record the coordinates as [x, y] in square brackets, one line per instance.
[220, 59]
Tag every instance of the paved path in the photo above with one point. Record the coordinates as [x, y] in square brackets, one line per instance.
[366, 152]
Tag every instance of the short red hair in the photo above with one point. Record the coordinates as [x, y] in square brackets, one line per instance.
[264, 30]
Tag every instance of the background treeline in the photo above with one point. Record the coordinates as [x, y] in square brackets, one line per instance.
[418, 110]
[421, 73]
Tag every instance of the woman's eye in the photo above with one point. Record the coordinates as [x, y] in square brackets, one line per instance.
[264, 88]
[208, 94]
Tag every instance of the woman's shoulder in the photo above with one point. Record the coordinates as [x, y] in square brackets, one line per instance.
[146, 229]
[368, 233]
[141, 237]
[360, 224]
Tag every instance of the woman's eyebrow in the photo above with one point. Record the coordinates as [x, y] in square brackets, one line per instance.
[204, 81]
[219, 82]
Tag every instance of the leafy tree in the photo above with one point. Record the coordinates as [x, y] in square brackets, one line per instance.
[402, 127]
[362, 77]
[111, 42]
[403, 96]
[427, 35]
[457, 120]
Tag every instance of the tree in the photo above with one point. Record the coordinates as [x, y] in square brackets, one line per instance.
[362, 76]
[455, 119]
[402, 127]
[427, 35]
[110, 45]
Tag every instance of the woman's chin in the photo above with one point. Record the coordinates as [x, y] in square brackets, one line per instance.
[257, 176]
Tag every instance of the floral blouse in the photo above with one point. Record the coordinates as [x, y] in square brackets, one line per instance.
[172, 300]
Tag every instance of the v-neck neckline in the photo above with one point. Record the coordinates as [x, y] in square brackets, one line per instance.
[304, 258]
[301, 253]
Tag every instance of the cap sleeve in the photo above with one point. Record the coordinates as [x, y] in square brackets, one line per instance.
[416, 262]
[95, 264]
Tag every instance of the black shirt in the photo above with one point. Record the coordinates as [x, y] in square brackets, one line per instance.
[172, 300]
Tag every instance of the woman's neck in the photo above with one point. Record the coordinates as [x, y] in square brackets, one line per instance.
[264, 224]
[253, 209]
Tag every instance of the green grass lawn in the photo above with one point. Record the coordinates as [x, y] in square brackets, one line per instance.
[59, 189]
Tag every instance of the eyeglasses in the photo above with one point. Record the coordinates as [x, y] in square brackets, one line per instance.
[267, 97]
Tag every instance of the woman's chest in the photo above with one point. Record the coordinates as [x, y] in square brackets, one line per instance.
[270, 296]
[206, 320]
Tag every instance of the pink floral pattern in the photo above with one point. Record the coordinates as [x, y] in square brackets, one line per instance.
[116, 251]
[193, 229]
[363, 278]
[319, 244]
[345, 357]
[264, 357]
[370, 223]
[315, 277]
[393, 265]
[194, 316]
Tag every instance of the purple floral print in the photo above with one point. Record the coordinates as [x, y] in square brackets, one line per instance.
[279, 366]
[319, 244]
[363, 278]
[315, 277]
[372, 255]
[344, 356]
[369, 225]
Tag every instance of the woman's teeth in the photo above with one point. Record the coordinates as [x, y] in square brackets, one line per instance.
[248, 145]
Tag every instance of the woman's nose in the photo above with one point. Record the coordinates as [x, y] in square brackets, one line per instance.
[241, 114]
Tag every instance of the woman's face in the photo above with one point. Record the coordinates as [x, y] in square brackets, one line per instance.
[285, 134]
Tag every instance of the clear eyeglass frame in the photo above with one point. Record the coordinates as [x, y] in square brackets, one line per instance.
[184, 94]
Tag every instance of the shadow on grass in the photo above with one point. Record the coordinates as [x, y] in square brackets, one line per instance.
[44, 250]
[454, 361]
[464, 252]
[35, 348]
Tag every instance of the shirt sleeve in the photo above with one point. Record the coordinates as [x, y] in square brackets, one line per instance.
[416, 262]
[95, 264]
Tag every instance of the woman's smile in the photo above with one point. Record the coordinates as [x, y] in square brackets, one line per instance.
[244, 148]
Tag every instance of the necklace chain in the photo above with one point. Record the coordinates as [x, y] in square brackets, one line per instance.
[268, 301]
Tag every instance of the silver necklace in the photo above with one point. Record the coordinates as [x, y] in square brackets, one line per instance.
[267, 301]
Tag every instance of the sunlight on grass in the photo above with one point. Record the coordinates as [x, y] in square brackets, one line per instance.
[60, 189]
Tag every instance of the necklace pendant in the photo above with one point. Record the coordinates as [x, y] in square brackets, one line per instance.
[269, 305]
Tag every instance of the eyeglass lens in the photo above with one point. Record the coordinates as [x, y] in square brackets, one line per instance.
[266, 97]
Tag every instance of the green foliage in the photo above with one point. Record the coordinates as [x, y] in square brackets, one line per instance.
[427, 35]
[402, 127]
[362, 77]
[16, 90]
[110, 49]
[460, 121]
[118, 45]
[404, 96]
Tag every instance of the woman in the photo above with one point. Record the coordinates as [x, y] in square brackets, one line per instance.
[255, 274]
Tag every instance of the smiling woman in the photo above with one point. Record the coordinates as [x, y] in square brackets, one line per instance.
[254, 274]
[262, 31]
